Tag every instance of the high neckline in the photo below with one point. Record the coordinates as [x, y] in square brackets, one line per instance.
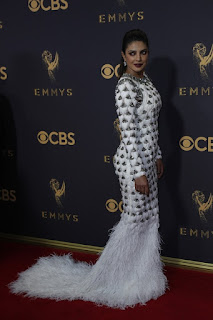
[136, 78]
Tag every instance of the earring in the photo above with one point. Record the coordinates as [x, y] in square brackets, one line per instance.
[124, 63]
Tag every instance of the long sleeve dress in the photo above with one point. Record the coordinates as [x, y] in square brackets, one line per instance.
[129, 269]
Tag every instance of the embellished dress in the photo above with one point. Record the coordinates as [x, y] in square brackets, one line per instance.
[129, 269]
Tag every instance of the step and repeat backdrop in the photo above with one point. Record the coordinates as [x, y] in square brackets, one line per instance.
[59, 63]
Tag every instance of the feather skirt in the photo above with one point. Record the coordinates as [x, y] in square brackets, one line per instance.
[128, 271]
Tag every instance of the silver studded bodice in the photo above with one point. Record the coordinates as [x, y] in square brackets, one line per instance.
[137, 105]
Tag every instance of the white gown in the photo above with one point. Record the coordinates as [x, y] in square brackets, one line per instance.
[129, 270]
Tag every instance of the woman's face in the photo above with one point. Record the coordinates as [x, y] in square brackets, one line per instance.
[136, 57]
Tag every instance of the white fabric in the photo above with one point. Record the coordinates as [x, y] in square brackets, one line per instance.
[129, 271]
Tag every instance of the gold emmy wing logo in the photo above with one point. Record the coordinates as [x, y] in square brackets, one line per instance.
[58, 192]
[50, 64]
[117, 127]
[203, 60]
[203, 207]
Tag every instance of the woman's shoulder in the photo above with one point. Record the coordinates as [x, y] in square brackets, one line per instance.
[126, 81]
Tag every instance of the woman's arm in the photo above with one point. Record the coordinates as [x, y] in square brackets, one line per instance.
[126, 105]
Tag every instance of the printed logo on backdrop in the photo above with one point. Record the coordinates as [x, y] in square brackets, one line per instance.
[51, 66]
[203, 59]
[203, 64]
[8, 154]
[114, 206]
[7, 195]
[201, 144]
[204, 206]
[47, 5]
[119, 17]
[58, 213]
[50, 63]
[3, 73]
[59, 192]
[56, 138]
[108, 71]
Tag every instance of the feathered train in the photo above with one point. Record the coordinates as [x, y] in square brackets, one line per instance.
[128, 271]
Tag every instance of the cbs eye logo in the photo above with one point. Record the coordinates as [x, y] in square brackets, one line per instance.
[186, 143]
[113, 206]
[35, 5]
[108, 71]
[56, 138]
[201, 144]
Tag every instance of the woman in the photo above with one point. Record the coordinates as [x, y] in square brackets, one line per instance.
[129, 270]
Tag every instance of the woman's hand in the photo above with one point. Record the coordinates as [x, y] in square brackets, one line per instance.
[159, 164]
[141, 185]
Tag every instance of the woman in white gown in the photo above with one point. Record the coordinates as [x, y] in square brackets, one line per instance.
[129, 270]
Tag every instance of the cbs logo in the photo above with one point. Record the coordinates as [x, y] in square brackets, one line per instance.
[8, 153]
[107, 71]
[201, 144]
[35, 5]
[8, 195]
[61, 138]
[113, 206]
[3, 73]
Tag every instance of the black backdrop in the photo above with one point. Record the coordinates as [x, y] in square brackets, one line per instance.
[58, 65]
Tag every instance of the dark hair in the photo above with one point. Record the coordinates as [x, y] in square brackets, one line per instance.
[130, 36]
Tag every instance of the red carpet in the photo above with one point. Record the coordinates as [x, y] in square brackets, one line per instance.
[190, 295]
